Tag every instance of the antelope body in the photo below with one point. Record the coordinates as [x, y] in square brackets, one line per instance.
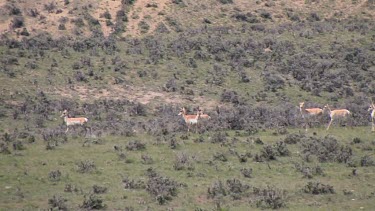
[309, 112]
[372, 109]
[336, 113]
[203, 116]
[72, 121]
[189, 119]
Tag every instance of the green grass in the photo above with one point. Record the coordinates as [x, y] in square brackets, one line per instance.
[25, 184]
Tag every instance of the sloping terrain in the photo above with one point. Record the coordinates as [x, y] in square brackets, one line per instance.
[129, 66]
[202, 53]
[67, 17]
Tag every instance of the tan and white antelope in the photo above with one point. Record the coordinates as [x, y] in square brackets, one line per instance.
[372, 109]
[337, 113]
[308, 112]
[72, 121]
[202, 115]
[190, 119]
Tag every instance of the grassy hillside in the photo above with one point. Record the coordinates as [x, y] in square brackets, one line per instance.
[128, 66]
[212, 171]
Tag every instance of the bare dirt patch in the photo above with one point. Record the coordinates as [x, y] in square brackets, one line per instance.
[46, 20]
[111, 7]
[135, 94]
[147, 11]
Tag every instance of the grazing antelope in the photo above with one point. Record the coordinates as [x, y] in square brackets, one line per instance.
[336, 113]
[72, 121]
[190, 119]
[372, 109]
[202, 115]
[308, 112]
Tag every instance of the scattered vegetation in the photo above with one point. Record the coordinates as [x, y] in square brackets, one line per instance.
[162, 188]
[318, 188]
[246, 63]
[57, 202]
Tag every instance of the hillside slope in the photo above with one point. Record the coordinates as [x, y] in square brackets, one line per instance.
[128, 67]
[188, 53]
[70, 17]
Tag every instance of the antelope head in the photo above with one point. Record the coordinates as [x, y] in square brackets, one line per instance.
[301, 104]
[327, 107]
[372, 106]
[182, 111]
[64, 113]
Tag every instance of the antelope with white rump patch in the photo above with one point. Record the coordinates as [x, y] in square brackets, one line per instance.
[309, 112]
[336, 113]
[72, 121]
[372, 109]
[190, 119]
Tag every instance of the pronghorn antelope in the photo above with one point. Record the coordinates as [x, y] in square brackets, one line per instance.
[308, 112]
[202, 115]
[336, 113]
[372, 109]
[190, 119]
[72, 121]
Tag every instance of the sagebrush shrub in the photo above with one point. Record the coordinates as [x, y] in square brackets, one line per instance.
[92, 202]
[318, 188]
[54, 176]
[162, 188]
[86, 166]
[135, 145]
[270, 197]
[57, 202]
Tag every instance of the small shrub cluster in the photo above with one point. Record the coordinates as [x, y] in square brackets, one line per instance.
[230, 97]
[271, 152]
[220, 156]
[326, 149]
[237, 189]
[281, 148]
[135, 145]
[92, 202]
[146, 159]
[309, 172]
[247, 172]
[18, 22]
[99, 189]
[4, 148]
[69, 188]
[265, 198]
[217, 190]
[57, 203]
[219, 137]
[243, 157]
[162, 188]
[54, 137]
[182, 162]
[318, 188]
[13, 9]
[54, 176]
[133, 184]
[270, 197]
[119, 152]
[18, 145]
[367, 161]
[267, 153]
[233, 188]
[226, 1]
[294, 138]
[86, 166]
